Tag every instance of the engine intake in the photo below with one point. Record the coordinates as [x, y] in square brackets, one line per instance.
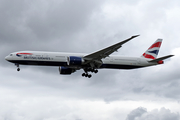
[65, 70]
[73, 60]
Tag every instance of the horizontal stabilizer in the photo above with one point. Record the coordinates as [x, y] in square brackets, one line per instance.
[161, 58]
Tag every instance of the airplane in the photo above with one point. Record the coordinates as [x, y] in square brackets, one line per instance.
[70, 62]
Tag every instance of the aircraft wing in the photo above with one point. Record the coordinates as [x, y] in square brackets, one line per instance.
[106, 51]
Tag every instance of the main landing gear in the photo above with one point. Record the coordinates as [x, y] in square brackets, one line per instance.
[18, 69]
[86, 75]
[89, 75]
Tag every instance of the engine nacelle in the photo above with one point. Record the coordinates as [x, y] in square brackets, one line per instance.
[65, 70]
[73, 60]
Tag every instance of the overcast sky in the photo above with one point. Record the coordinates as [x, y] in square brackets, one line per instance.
[85, 26]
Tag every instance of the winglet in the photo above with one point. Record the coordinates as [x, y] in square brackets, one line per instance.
[134, 36]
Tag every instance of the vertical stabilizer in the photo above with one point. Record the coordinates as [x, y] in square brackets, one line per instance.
[153, 50]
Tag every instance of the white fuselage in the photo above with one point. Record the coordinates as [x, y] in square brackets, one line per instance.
[70, 62]
[61, 59]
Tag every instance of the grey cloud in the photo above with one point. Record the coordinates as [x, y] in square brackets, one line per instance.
[30, 24]
[11, 14]
[136, 113]
[143, 114]
[59, 19]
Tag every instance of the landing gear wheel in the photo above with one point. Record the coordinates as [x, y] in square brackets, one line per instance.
[18, 69]
[86, 75]
[95, 71]
[89, 76]
[83, 74]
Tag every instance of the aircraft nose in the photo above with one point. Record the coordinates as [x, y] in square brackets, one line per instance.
[7, 58]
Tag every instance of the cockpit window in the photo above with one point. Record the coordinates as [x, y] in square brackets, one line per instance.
[10, 54]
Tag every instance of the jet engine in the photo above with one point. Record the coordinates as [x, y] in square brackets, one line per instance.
[73, 60]
[65, 70]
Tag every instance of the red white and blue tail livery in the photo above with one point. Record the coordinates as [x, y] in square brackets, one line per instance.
[70, 62]
[153, 50]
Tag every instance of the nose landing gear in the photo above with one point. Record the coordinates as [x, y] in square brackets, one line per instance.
[18, 69]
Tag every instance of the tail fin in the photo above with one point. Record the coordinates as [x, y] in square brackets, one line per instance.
[153, 51]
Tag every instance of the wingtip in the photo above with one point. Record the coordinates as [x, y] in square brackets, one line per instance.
[135, 36]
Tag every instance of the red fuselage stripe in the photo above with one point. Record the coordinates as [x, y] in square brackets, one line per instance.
[25, 53]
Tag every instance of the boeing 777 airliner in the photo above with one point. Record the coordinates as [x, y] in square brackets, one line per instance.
[70, 62]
